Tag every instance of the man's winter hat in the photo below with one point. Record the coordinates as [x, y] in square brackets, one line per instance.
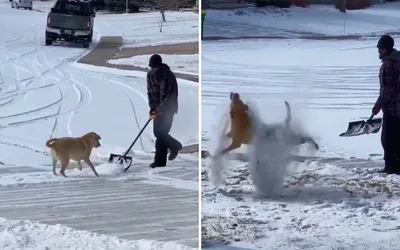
[155, 61]
[385, 42]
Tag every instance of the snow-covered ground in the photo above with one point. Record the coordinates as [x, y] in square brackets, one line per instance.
[33, 235]
[317, 20]
[45, 93]
[333, 199]
[141, 29]
[177, 63]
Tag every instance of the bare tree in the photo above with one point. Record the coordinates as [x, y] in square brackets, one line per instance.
[164, 5]
[341, 5]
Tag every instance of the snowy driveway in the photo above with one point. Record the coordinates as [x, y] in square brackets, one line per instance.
[44, 93]
[335, 200]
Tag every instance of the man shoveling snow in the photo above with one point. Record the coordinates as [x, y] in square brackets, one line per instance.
[389, 102]
[163, 102]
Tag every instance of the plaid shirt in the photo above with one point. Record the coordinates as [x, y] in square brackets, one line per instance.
[389, 94]
[162, 84]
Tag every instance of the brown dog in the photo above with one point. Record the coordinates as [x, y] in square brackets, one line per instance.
[240, 124]
[241, 127]
[77, 149]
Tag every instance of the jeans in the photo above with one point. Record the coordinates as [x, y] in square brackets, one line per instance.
[390, 139]
[161, 127]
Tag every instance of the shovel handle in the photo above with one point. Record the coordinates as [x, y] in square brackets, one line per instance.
[370, 118]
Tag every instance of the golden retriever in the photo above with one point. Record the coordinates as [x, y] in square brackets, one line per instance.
[241, 127]
[77, 149]
[240, 124]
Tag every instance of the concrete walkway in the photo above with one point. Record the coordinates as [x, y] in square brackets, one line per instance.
[109, 48]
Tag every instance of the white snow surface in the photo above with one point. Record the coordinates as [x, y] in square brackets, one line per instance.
[332, 198]
[44, 94]
[177, 63]
[140, 29]
[29, 235]
[315, 20]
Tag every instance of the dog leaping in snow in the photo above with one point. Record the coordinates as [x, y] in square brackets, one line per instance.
[241, 131]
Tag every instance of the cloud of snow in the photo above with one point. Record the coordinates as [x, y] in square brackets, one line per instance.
[218, 142]
[269, 156]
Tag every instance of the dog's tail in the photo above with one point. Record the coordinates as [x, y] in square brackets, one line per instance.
[288, 113]
[50, 143]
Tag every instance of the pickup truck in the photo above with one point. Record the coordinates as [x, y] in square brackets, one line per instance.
[71, 21]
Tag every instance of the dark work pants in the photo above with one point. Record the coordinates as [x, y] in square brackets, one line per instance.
[161, 126]
[390, 139]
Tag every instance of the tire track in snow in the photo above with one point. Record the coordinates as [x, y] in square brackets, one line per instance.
[13, 39]
[33, 110]
[136, 118]
[84, 99]
[130, 100]
[96, 204]
[25, 92]
[12, 43]
[25, 147]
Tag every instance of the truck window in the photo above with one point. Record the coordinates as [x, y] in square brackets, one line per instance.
[72, 7]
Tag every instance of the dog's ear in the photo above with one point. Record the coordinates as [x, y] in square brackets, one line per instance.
[235, 96]
[96, 136]
[231, 95]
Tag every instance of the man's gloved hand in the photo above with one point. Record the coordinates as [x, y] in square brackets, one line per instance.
[153, 112]
[375, 110]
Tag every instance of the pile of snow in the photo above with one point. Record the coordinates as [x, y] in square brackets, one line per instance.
[28, 235]
[177, 63]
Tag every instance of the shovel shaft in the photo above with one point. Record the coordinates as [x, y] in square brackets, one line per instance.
[142, 130]
[370, 118]
[138, 136]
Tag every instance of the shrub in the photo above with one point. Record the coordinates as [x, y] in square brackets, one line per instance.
[355, 4]
[275, 3]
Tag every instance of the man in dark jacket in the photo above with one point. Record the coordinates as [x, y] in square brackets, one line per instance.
[162, 91]
[389, 102]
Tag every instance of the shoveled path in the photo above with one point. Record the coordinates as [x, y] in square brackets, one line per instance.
[131, 209]
[109, 47]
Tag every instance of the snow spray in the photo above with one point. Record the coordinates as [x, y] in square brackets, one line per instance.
[218, 141]
[268, 156]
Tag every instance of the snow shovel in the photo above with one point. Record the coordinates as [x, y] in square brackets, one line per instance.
[370, 126]
[120, 159]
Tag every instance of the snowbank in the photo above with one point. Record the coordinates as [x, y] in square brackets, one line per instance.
[29, 235]
[178, 63]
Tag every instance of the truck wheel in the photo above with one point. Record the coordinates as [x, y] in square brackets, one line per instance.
[86, 44]
[49, 41]
[90, 39]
